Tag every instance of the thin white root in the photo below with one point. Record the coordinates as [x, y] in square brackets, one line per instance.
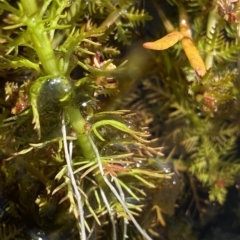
[68, 157]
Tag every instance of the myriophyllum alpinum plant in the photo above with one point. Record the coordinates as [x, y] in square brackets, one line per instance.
[75, 167]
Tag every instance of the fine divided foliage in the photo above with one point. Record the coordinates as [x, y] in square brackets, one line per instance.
[191, 104]
[68, 167]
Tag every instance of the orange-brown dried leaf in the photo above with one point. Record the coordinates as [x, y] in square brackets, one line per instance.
[113, 168]
[193, 56]
[164, 43]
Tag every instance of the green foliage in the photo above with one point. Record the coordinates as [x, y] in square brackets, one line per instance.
[81, 167]
[10, 232]
[196, 117]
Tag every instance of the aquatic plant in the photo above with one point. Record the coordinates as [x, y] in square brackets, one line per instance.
[191, 92]
[69, 167]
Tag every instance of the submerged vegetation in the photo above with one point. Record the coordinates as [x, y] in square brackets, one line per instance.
[100, 136]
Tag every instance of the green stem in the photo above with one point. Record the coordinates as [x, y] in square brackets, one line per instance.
[30, 6]
[166, 22]
[211, 25]
[111, 19]
[79, 124]
[39, 37]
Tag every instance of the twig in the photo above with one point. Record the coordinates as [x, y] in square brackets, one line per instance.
[68, 157]
[110, 213]
[125, 221]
